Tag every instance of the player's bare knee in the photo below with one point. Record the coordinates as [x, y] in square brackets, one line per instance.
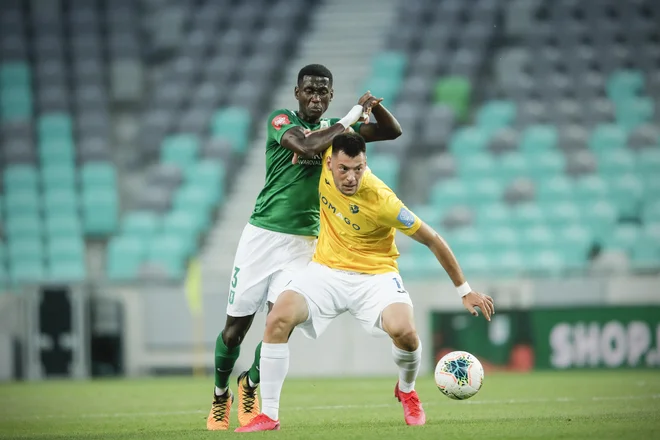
[288, 311]
[233, 336]
[405, 338]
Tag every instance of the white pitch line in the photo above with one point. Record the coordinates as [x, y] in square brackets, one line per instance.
[335, 407]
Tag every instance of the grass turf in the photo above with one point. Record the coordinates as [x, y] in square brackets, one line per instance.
[561, 405]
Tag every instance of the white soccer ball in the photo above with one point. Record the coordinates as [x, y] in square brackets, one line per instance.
[459, 375]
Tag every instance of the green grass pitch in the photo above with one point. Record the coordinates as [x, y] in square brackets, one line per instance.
[562, 405]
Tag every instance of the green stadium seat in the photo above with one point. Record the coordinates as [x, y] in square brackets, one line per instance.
[512, 165]
[546, 164]
[124, 257]
[467, 141]
[651, 211]
[624, 84]
[65, 249]
[607, 137]
[140, 224]
[169, 253]
[633, 112]
[386, 168]
[98, 175]
[528, 214]
[493, 215]
[388, 63]
[556, 188]
[651, 183]
[623, 237]
[25, 248]
[55, 126]
[496, 114]
[70, 271]
[561, 214]
[538, 138]
[454, 91]
[180, 149]
[478, 164]
[57, 151]
[100, 211]
[19, 177]
[63, 225]
[590, 188]
[448, 193]
[21, 202]
[27, 271]
[60, 202]
[648, 162]
[599, 216]
[16, 104]
[627, 194]
[14, 75]
[616, 162]
[233, 124]
[23, 226]
[59, 177]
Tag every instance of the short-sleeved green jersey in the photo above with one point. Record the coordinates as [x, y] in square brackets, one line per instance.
[289, 200]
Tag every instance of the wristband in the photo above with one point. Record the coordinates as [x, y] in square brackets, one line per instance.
[463, 289]
[352, 116]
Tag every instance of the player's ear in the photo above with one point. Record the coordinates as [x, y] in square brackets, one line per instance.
[332, 94]
[328, 161]
[296, 91]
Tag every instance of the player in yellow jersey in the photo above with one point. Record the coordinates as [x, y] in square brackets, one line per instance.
[354, 270]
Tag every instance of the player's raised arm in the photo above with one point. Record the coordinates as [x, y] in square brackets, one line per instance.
[386, 126]
[318, 141]
[471, 299]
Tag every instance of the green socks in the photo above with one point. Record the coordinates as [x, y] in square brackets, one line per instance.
[253, 374]
[225, 358]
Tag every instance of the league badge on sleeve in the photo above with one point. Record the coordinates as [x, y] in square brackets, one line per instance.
[406, 217]
[280, 120]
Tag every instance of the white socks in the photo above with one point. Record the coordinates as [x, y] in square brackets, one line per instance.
[274, 365]
[408, 363]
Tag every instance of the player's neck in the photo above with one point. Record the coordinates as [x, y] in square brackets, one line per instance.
[308, 119]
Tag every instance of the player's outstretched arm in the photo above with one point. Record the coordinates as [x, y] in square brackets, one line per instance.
[386, 127]
[319, 141]
[471, 299]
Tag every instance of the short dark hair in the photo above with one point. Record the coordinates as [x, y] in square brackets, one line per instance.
[315, 70]
[352, 144]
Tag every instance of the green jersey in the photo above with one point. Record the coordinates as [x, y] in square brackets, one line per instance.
[289, 200]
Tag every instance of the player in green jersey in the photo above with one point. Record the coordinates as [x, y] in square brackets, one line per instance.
[280, 236]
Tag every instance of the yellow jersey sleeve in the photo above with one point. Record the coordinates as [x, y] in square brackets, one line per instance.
[393, 213]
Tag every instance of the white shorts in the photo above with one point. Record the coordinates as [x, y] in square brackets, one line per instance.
[330, 292]
[264, 263]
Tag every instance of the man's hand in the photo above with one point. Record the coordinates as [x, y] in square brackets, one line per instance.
[484, 302]
[368, 102]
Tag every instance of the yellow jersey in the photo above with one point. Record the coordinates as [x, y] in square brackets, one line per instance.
[357, 232]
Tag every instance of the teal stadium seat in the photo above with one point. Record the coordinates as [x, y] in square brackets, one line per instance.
[477, 264]
[546, 164]
[445, 194]
[527, 214]
[25, 248]
[483, 190]
[512, 165]
[623, 237]
[600, 216]
[496, 114]
[16, 104]
[651, 211]
[589, 188]
[480, 164]
[537, 237]
[99, 211]
[627, 194]
[465, 241]
[208, 174]
[180, 149]
[20, 177]
[429, 214]
[508, 263]
[182, 222]
[23, 226]
[390, 63]
[545, 262]
[467, 141]
[633, 112]
[616, 162]
[21, 202]
[59, 177]
[233, 124]
[55, 126]
[648, 162]
[70, 271]
[574, 242]
[651, 183]
[624, 84]
[561, 214]
[98, 175]
[386, 168]
[538, 138]
[140, 224]
[66, 249]
[14, 74]
[63, 225]
[607, 137]
[195, 199]
[60, 202]
[383, 86]
[27, 271]
[493, 215]
[124, 257]
[557, 188]
[169, 253]
[57, 151]
[500, 238]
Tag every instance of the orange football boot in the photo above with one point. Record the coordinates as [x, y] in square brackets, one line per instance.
[248, 402]
[413, 412]
[260, 423]
[218, 419]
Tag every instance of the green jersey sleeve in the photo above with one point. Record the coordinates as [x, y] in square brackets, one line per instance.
[355, 127]
[279, 122]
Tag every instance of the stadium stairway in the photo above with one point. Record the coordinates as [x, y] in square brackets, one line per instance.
[344, 36]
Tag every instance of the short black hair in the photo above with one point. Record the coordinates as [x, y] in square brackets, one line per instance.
[315, 70]
[352, 144]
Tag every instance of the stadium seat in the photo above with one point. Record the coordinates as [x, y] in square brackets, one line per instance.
[508, 263]
[22, 202]
[634, 112]
[465, 241]
[454, 91]
[626, 193]
[57, 151]
[616, 162]
[233, 124]
[607, 137]
[590, 188]
[648, 162]
[194, 199]
[209, 174]
[545, 262]
[467, 141]
[651, 211]
[69, 271]
[537, 237]
[27, 271]
[19, 227]
[448, 193]
[59, 177]
[494, 115]
[651, 184]
[386, 168]
[169, 253]
[55, 126]
[180, 149]
[66, 249]
[538, 138]
[25, 248]
[483, 190]
[499, 239]
[16, 104]
[20, 177]
[624, 84]
[124, 257]
[60, 201]
[561, 214]
[478, 164]
[388, 63]
[182, 222]
[557, 188]
[14, 75]
[63, 225]
[526, 215]
[599, 216]
[493, 215]
[623, 237]
[140, 224]
[574, 242]
[512, 165]
[99, 211]
[545, 164]
[98, 175]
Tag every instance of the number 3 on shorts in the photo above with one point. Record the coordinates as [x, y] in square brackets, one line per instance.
[234, 283]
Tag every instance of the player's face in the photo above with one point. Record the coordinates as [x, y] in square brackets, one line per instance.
[347, 171]
[314, 95]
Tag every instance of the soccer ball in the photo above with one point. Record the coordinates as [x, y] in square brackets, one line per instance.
[459, 375]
